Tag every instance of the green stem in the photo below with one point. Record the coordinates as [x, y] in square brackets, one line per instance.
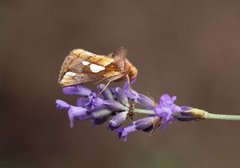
[143, 111]
[222, 117]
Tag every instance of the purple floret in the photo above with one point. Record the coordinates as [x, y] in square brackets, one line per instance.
[145, 124]
[74, 112]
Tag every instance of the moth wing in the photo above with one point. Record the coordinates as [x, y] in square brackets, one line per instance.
[69, 80]
[81, 66]
[92, 58]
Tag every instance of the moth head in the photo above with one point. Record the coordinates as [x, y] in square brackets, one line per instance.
[124, 64]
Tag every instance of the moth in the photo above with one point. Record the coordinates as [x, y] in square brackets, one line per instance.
[81, 66]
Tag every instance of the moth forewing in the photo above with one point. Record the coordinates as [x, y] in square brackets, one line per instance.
[85, 65]
[81, 66]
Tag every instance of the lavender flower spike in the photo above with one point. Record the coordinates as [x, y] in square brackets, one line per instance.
[119, 103]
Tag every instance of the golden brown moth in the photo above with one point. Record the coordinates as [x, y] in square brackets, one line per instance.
[81, 66]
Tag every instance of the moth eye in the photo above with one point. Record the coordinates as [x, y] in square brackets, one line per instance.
[85, 63]
[96, 68]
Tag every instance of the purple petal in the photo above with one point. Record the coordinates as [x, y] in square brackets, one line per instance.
[145, 101]
[186, 114]
[62, 105]
[121, 96]
[79, 113]
[166, 100]
[185, 108]
[166, 109]
[100, 116]
[115, 105]
[163, 112]
[77, 90]
[123, 133]
[144, 123]
[95, 102]
[106, 93]
[130, 93]
[101, 113]
[98, 102]
[138, 98]
[82, 101]
[118, 120]
[99, 121]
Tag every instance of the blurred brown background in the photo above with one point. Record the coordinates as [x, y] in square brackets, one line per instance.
[186, 48]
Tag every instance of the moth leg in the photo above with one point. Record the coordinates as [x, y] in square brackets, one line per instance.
[105, 87]
[111, 79]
